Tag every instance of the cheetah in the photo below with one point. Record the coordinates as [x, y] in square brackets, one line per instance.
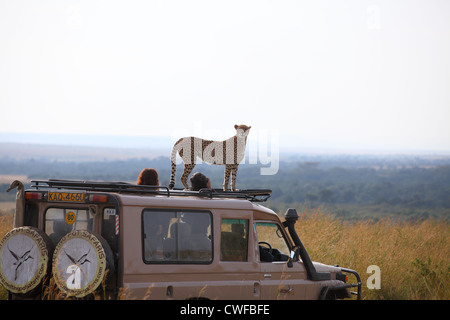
[229, 152]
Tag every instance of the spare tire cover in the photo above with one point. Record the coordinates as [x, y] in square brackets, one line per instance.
[25, 256]
[80, 262]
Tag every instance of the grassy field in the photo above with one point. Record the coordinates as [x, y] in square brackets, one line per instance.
[413, 257]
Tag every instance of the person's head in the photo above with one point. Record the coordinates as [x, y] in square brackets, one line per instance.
[199, 181]
[148, 177]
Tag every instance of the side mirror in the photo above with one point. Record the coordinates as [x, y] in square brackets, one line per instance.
[293, 257]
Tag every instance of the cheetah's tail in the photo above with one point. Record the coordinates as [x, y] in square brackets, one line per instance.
[173, 160]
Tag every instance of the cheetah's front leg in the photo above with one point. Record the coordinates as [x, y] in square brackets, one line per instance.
[234, 170]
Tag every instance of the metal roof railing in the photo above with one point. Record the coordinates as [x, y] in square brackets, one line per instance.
[257, 195]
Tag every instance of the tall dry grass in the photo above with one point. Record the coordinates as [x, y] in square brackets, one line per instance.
[414, 258]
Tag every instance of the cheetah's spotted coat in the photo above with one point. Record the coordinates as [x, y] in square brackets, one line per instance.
[229, 152]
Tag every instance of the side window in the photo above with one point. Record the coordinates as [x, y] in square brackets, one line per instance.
[272, 244]
[61, 221]
[177, 237]
[233, 240]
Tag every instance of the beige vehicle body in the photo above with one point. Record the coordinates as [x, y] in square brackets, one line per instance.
[167, 244]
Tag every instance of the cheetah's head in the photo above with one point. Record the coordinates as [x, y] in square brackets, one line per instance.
[242, 130]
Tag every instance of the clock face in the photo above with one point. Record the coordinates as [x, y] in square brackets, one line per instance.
[79, 263]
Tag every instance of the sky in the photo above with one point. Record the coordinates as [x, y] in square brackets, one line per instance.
[365, 75]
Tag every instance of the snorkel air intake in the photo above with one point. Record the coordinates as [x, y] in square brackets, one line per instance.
[291, 218]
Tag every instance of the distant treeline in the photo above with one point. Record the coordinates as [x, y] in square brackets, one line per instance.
[408, 182]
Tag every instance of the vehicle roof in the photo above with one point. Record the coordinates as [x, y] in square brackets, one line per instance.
[191, 202]
[160, 196]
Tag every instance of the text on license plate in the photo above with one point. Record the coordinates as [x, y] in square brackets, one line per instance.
[66, 196]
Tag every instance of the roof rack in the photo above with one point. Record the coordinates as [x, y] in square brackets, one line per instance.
[257, 195]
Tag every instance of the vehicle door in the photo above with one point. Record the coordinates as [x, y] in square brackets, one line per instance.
[278, 278]
[192, 254]
[238, 268]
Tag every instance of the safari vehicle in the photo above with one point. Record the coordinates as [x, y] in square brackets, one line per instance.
[118, 240]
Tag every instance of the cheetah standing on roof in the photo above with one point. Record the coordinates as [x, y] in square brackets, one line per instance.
[229, 152]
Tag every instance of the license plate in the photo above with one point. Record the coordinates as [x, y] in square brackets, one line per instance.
[66, 196]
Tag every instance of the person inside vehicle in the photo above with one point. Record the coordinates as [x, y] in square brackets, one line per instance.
[149, 177]
[199, 181]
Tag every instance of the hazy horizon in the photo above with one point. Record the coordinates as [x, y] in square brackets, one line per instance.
[165, 144]
[328, 75]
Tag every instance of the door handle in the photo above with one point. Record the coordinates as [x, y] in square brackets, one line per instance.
[256, 289]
